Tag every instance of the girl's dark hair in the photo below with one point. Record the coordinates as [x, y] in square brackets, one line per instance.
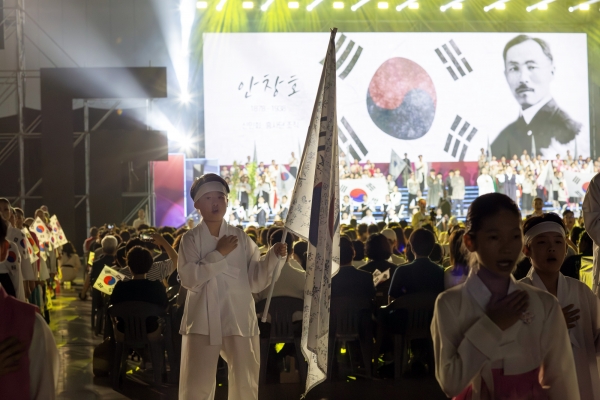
[359, 250]
[68, 249]
[205, 179]
[546, 217]
[487, 206]
[139, 260]
[301, 250]
[378, 247]
[400, 239]
[3, 230]
[459, 258]
[437, 254]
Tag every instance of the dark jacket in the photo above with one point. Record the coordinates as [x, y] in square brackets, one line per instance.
[421, 275]
[549, 123]
[98, 266]
[350, 281]
[144, 290]
[382, 266]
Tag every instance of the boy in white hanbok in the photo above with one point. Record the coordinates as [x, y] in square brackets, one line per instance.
[221, 267]
[546, 246]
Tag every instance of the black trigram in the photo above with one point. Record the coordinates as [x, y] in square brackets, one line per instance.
[351, 136]
[452, 52]
[459, 128]
[576, 180]
[351, 50]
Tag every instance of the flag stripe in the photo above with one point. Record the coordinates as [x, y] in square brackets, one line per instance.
[456, 123]
[472, 134]
[467, 65]
[323, 119]
[344, 55]
[448, 142]
[452, 73]
[441, 56]
[353, 135]
[350, 66]
[321, 134]
[463, 153]
[321, 148]
[455, 47]
[353, 152]
[453, 59]
[342, 136]
[464, 129]
[455, 149]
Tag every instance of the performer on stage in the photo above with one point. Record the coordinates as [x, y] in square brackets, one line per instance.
[221, 267]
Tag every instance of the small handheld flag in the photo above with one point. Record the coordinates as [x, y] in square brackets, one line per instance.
[108, 279]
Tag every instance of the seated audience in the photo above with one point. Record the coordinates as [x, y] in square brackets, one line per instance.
[378, 253]
[459, 264]
[350, 281]
[70, 264]
[359, 253]
[300, 253]
[395, 258]
[139, 261]
[160, 270]
[421, 275]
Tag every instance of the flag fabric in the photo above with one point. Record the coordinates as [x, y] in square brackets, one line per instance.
[107, 280]
[314, 216]
[577, 182]
[41, 230]
[545, 174]
[255, 157]
[57, 231]
[287, 182]
[397, 165]
[489, 150]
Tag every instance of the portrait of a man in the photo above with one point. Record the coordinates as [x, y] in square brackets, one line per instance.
[542, 126]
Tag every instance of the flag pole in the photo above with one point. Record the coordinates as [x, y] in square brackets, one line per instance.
[276, 273]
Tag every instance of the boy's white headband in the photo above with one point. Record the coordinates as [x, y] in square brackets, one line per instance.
[209, 187]
[544, 227]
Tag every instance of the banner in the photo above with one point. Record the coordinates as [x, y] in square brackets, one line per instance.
[108, 279]
[439, 93]
[577, 182]
[397, 165]
[374, 189]
[314, 216]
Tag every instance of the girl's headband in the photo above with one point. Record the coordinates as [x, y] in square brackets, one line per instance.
[543, 227]
[209, 187]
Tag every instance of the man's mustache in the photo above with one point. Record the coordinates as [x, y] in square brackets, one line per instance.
[523, 88]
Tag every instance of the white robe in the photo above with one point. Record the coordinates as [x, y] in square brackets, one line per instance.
[44, 362]
[585, 336]
[468, 345]
[18, 238]
[11, 265]
[591, 217]
[219, 300]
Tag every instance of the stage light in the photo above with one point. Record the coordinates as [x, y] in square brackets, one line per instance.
[414, 6]
[583, 6]
[455, 5]
[267, 4]
[408, 3]
[338, 5]
[221, 5]
[499, 5]
[383, 5]
[312, 5]
[247, 5]
[542, 5]
[201, 5]
[293, 4]
[185, 98]
[358, 5]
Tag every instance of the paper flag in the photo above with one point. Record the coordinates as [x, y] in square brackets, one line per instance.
[108, 279]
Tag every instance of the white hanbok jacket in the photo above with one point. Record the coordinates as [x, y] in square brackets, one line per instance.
[591, 217]
[219, 300]
[468, 345]
[585, 336]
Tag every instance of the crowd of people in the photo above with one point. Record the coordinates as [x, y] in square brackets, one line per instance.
[487, 320]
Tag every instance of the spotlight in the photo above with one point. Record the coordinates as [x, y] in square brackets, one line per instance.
[221, 5]
[501, 6]
[414, 6]
[201, 5]
[358, 5]
[338, 5]
[247, 5]
[185, 98]
[293, 4]
[408, 3]
[267, 4]
[498, 5]
[542, 5]
[455, 5]
[312, 5]
[584, 7]
[383, 5]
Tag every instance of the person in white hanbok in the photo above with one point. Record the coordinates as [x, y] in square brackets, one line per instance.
[591, 218]
[221, 267]
[546, 247]
[494, 337]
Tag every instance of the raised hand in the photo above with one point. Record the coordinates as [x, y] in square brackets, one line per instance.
[506, 311]
[280, 250]
[571, 316]
[227, 244]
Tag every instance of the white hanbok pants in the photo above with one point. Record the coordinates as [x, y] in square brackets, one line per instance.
[199, 367]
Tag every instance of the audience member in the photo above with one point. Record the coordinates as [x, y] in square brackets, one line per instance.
[359, 253]
[378, 253]
[459, 262]
[70, 264]
[390, 235]
[349, 281]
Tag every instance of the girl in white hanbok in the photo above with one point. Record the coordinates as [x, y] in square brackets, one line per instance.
[221, 267]
[546, 246]
[494, 337]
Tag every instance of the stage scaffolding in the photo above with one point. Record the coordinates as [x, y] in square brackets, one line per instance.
[12, 87]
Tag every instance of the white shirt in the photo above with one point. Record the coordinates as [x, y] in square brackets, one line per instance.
[44, 362]
[585, 336]
[368, 220]
[486, 184]
[467, 344]
[530, 112]
[139, 221]
[290, 283]
[219, 300]
[18, 238]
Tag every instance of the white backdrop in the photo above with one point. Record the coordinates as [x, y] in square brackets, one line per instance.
[276, 117]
